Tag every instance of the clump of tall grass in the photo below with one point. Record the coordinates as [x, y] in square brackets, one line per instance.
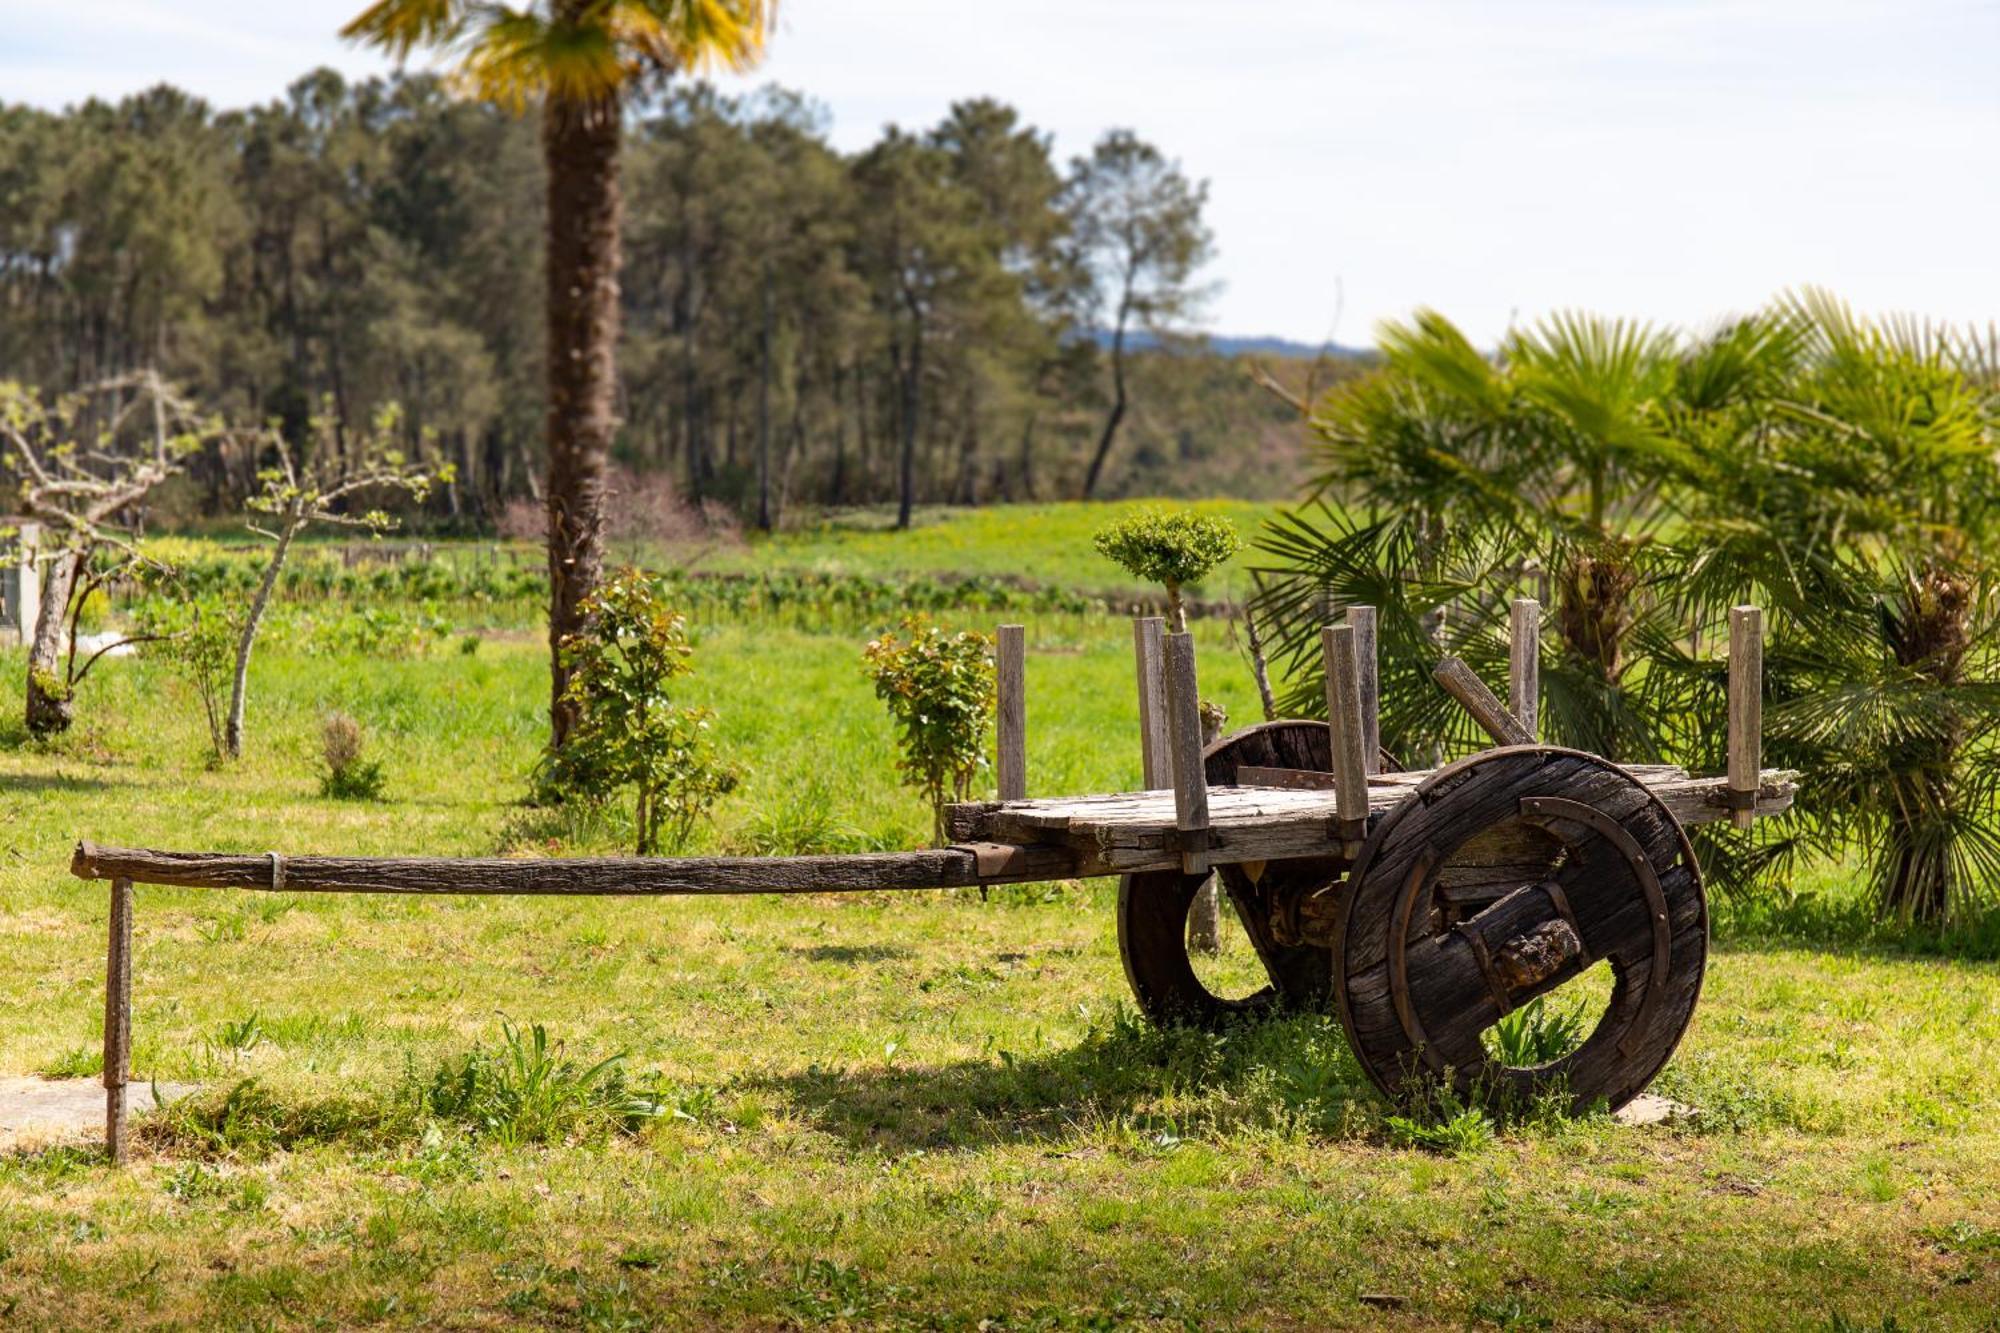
[528, 1090]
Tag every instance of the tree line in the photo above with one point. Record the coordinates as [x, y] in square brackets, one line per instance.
[950, 315]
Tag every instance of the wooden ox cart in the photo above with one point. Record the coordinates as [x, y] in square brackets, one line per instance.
[1424, 906]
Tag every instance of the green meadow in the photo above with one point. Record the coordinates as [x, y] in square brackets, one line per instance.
[925, 1110]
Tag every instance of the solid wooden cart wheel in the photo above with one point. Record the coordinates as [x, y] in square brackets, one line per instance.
[1153, 907]
[1502, 878]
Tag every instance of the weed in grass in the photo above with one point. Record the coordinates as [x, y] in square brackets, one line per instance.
[1468, 1132]
[193, 1182]
[250, 1120]
[222, 927]
[529, 1091]
[345, 775]
[76, 1062]
[1509, 1312]
[240, 1034]
[803, 822]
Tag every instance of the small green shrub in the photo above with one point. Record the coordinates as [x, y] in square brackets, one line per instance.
[940, 690]
[529, 1091]
[345, 775]
[1170, 547]
[629, 731]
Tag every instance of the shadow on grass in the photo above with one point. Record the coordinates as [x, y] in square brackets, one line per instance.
[1154, 1083]
[849, 953]
[46, 784]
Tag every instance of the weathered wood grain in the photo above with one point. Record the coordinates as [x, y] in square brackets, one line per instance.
[1368, 667]
[1344, 717]
[937, 868]
[1184, 740]
[1746, 705]
[1524, 663]
[118, 1021]
[1011, 722]
[1462, 683]
[1149, 656]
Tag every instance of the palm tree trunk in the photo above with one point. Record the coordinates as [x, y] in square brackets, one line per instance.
[580, 148]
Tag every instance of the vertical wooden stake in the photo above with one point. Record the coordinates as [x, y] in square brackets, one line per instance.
[1746, 711]
[1012, 662]
[1524, 663]
[1361, 619]
[1147, 635]
[118, 1020]
[1343, 715]
[1184, 740]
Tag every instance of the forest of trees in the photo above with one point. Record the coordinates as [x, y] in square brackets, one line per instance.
[949, 316]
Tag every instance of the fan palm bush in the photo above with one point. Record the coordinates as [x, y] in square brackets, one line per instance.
[1839, 472]
[1861, 502]
[1547, 468]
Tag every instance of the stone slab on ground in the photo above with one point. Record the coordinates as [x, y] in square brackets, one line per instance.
[54, 1110]
[1650, 1108]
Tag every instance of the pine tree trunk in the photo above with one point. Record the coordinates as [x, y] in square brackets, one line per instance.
[1110, 435]
[580, 146]
[912, 387]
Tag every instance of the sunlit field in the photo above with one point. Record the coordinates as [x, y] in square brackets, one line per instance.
[925, 1110]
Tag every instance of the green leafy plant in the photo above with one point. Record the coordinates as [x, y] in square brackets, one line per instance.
[196, 638]
[1170, 547]
[629, 732]
[939, 687]
[1463, 1134]
[529, 1091]
[345, 775]
[1536, 1033]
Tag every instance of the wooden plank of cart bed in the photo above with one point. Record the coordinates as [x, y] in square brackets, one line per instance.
[1092, 822]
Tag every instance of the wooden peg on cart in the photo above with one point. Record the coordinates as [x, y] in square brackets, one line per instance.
[1361, 619]
[1347, 730]
[1184, 744]
[1011, 657]
[1524, 663]
[1462, 683]
[1746, 712]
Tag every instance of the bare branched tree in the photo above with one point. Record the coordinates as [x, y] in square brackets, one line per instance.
[319, 483]
[81, 462]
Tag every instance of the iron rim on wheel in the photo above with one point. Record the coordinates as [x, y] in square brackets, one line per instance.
[1501, 879]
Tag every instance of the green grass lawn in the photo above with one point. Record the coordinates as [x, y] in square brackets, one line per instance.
[919, 1110]
[1046, 543]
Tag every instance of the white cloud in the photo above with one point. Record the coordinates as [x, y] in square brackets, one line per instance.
[1673, 159]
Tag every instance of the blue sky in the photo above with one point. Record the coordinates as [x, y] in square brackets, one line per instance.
[1674, 160]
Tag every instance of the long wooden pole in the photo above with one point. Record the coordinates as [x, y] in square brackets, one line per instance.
[1746, 711]
[118, 1021]
[965, 866]
[1011, 726]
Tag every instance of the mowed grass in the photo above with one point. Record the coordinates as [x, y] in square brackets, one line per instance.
[919, 1110]
[1048, 544]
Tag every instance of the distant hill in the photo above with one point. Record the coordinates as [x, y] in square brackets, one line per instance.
[1241, 345]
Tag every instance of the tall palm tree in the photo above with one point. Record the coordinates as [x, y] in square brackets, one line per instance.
[578, 60]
